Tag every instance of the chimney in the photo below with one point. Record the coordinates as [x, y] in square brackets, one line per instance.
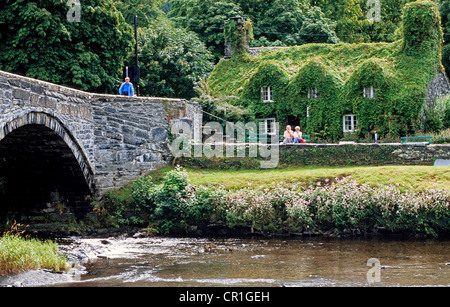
[236, 36]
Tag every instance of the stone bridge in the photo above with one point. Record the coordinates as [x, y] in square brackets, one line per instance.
[57, 138]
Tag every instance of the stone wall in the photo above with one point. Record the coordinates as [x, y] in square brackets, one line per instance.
[363, 154]
[114, 138]
[438, 87]
[131, 136]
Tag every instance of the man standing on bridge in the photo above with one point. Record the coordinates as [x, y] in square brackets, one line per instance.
[126, 88]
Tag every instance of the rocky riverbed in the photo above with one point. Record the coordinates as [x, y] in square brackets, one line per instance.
[128, 260]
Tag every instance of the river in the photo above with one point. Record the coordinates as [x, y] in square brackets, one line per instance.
[255, 262]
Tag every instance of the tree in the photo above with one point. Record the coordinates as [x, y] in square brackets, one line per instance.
[39, 40]
[172, 59]
[148, 11]
[206, 18]
[352, 24]
[291, 22]
[280, 22]
[348, 15]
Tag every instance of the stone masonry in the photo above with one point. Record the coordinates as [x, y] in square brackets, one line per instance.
[115, 139]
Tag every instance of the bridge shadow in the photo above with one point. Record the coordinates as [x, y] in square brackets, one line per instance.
[40, 179]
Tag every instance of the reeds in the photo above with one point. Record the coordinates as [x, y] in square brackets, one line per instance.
[18, 254]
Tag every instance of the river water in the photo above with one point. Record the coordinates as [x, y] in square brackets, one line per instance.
[255, 262]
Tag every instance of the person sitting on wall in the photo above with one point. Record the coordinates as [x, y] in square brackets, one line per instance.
[126, 88]
[298, 136]
[288, 135]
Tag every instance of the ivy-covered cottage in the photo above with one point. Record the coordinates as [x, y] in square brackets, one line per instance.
[331, 89]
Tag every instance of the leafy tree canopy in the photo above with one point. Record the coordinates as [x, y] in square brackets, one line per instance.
[352, 24]
[38, 40]
[148, 11]
[275, 22]
[206, 18]
[173, 60]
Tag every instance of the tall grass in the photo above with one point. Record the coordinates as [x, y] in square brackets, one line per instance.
[18, 254]
[442, 137]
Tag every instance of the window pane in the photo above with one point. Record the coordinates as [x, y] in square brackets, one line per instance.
[350, 123]
[369, 92]
[270, 126]
[313, 92]
[266, 94]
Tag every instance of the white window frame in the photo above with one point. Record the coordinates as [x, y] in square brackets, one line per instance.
[266, 94]
[266, 126]
[313, 93]
[349, 123]
[369, 92]
[307, 111]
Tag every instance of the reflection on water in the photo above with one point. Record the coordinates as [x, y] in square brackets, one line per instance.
[261, 262]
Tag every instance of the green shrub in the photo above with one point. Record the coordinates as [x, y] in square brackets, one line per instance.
[442, 105]
[249, 207]
[168, 196]
[298, 214]
[436, 117]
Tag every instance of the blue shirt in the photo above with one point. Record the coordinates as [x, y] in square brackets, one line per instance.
[126, 88]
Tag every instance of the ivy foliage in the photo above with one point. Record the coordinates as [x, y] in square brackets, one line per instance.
[238, 33]
[373, 113]
[37, 40]
[322, 110]
[444, 9]
[271, 75]
[422, 28]
[400, 73]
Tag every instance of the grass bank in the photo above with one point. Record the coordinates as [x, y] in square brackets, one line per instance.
[409, 177]
[18, 254]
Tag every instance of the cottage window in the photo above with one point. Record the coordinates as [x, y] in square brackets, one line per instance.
[369, 92]
[313, 92]
[269, 125]
[350, 123]
[267, 94]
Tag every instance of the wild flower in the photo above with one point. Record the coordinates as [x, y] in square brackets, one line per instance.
[343, 203]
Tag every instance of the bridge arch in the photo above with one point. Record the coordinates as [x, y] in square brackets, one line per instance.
[51, 122]
[39, 156]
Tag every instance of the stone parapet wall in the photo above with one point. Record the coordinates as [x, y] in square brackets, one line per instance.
[363, 154]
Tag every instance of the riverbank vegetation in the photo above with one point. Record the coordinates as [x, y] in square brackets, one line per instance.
[19, 254]
[179, 200]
